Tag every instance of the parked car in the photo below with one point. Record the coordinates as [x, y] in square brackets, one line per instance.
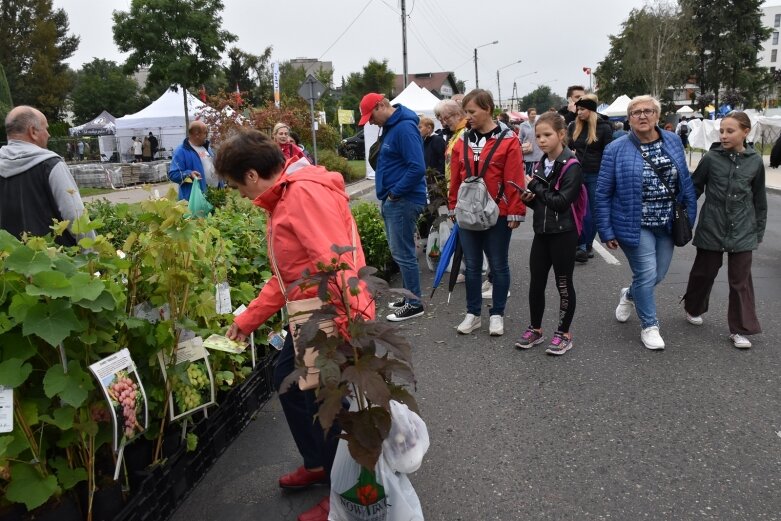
[353, 147]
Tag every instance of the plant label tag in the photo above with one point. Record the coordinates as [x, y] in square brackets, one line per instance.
[223, 298]
[239, 310]
[6, 409]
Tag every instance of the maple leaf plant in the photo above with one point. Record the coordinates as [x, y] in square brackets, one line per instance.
[366, 363]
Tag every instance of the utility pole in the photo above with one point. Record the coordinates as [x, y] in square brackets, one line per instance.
[404, 39]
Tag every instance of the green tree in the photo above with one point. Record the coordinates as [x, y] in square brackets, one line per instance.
[542, 98]
[102, 85]
[180, 40]
[375, 77]
[34, 44]
[652, 53]
[252, 73]
[6, 101]
[727, 34]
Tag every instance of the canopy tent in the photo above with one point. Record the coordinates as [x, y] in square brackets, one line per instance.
[517, 117]
[417, 99]
[618, 107]
[685, 110]
[103, 125]
[704, 132]
[164, 118]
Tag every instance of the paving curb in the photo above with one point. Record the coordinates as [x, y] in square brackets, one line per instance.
[361, 188]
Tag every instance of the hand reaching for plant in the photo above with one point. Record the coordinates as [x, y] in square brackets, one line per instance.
[234, 333]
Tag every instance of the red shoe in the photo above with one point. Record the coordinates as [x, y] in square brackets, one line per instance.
[319, 512]
[302, 478]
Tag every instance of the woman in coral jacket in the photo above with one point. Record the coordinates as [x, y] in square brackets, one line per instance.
[504, 179]
[254, 165]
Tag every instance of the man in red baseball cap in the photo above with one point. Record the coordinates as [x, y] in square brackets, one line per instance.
[400, 182]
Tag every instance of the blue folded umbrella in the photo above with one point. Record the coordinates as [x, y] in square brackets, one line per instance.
[444, 257]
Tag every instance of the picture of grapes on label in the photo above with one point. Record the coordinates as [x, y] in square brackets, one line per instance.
[191, 386]
[128, 404]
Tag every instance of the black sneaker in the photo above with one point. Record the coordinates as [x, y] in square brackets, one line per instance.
[581, 256]
[590, 251]
[406, 312]
[398, 303]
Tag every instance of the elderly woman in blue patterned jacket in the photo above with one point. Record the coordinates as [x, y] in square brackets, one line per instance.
[634, 208]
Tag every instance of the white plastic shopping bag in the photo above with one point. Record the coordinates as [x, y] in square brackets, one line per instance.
[358, 494]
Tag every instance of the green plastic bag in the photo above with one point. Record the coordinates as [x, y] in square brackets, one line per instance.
[199, 206]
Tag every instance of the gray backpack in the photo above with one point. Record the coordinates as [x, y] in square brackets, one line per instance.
[475, 208]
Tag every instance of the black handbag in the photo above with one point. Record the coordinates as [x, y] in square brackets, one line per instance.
[681, 226]
[374, 151]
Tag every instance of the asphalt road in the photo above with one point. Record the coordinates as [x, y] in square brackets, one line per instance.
[610, 431]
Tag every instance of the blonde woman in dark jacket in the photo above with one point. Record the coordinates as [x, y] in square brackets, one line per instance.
[588, 136]
[732, 220]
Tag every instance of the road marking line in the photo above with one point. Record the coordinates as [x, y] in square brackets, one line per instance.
[605, 254]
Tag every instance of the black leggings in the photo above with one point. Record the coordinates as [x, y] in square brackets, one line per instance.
[557, 250]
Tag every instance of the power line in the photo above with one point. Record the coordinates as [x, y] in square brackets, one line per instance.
[446, 35]
[423, 44]
[347, 29]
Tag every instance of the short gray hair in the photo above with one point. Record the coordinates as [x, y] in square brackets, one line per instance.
[645, 98]
[20, 120]
[447, 107]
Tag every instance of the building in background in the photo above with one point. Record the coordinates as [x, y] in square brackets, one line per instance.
[443, 85]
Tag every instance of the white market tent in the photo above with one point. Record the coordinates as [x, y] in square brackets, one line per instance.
[164, 118]
[685, 110]
[415, 98]
[704, 132]
[618, 107]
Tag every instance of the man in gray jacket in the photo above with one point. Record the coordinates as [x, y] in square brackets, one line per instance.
[36, 185]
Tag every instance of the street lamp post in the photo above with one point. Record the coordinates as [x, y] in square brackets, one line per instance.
[499, 85]
[477, 83]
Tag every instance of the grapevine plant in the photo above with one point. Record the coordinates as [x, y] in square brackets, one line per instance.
[63, 309]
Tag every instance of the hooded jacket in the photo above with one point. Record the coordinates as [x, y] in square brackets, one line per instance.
[619, 198]
[504, 174]
[734, 213]
[36, 186]
[401, 169]
[300, 239]
[553, 208]
[590, 154]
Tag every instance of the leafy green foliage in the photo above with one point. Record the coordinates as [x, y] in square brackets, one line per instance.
[542, 98]
[34, 44]
[335, 163]
[188, 42]
[371, 228]
[652, 52]
[102, 85]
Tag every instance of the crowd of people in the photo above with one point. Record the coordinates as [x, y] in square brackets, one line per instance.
[577, 174]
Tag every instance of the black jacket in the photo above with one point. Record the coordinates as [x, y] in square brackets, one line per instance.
[568, 116]
[553, 208]
[434, 153]
[590, 154]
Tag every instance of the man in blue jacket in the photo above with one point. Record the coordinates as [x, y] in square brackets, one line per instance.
[400, 182]
[193, 160]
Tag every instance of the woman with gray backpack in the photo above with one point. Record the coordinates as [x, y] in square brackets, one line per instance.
[486, 181]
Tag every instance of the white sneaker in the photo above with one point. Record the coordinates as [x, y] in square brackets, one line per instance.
[651, 338]
[625, 306]
[496, 326]
[697, 321]
[738, 341]
[470, 323]
[461, 278]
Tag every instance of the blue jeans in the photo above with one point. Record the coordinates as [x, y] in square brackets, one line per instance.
[589, 230]
[401, 223]
[495, 242]
[649, 261]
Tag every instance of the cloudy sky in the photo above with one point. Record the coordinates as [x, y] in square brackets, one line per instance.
[554, 39]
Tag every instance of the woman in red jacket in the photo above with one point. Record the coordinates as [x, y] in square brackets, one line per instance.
[252, 164]
[281, 135]
[502, 173]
